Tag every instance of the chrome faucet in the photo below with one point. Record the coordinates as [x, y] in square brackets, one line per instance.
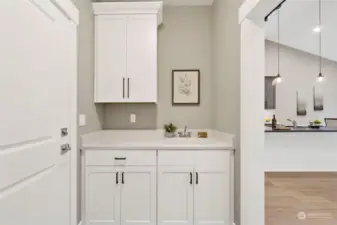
[293, 122]
[185, 133]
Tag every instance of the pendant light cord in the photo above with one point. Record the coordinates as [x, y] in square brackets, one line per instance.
[278, 41]
[320, 35]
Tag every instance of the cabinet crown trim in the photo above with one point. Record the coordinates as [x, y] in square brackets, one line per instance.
[125, 8]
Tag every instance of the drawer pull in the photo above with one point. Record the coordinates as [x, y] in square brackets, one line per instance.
[120, 158]
[122, 177]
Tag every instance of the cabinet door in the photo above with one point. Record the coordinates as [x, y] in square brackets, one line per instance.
[110, 58]
[212, 197]
[138, 191]
[175, 195]
[142, 58]
[102, 196]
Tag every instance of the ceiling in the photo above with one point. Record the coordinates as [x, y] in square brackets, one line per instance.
[297, 20]
[167, 2]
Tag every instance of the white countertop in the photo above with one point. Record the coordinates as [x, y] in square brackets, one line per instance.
[154, 140]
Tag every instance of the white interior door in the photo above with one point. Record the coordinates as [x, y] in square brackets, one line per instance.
[110, 57]
[142, 58]
[138, 202]
[212, 197]
[37, 43]
[102, 198]
[175, 195]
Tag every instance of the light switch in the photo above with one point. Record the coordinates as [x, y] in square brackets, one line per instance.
[82, 120]
[132, 118]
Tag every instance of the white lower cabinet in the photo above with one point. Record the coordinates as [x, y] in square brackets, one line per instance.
[138, 196]
[102, 196]
[195, 189]
[212, 197]
[175, 195]
[119, 188]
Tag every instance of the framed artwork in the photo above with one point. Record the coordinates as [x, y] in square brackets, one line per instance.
[318, 99]
[185, 87]
[301, 105]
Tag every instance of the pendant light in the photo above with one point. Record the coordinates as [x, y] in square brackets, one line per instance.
[320, 76]
[278, 79]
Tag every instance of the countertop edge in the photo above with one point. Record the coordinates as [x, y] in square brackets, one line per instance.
[155, 148]
[300, 131]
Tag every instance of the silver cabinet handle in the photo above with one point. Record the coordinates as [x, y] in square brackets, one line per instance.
[65, 148]
[128, 87]
[117, 177]
[123, 87]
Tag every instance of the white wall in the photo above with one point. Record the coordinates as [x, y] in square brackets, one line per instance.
[300, 70]
[252, 128]
[226, 79]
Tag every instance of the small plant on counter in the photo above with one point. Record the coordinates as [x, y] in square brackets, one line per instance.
[170, 128]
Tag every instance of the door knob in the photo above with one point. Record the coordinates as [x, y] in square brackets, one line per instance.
[65, 148]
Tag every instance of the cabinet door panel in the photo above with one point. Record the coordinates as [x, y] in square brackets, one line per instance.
[102, 198]
[138, 204]
[142, 58]
[212, 197]
[110, 58]
[175, 196]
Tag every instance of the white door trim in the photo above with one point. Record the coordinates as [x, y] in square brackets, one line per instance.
[68, 8]
[74, 153]
[70, 11]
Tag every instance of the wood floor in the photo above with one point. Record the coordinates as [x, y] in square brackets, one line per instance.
[300, 198]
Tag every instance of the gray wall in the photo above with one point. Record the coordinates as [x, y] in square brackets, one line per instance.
[226, 78]
[184, 42]
[86, 69]
[86, 78]
[300, 70]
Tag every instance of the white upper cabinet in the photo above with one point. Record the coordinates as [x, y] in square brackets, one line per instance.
[110, 58]
[142, 58]
[126, 51]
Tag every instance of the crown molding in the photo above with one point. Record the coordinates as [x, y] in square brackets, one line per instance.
[188, 2]
[118, 8]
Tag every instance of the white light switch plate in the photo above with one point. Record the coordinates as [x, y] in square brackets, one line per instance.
[82, 120]
[132, 118]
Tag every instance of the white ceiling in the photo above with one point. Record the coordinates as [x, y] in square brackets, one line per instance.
[167, 2]
[298, 18]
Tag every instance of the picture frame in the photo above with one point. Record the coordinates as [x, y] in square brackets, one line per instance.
[186, 87]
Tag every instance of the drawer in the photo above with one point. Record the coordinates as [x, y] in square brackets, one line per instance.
[207, 158]
[119, 158]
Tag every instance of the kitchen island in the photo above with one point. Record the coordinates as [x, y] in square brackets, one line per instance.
[300, 150]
